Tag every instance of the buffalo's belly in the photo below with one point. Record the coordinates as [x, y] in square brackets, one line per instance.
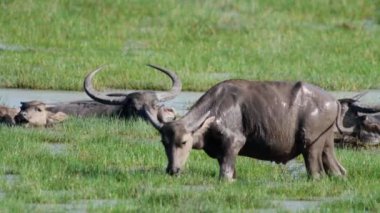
[278, 151]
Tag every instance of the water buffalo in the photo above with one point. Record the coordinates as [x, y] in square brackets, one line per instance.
[131, 104]
[91, 108]
[274, 121]
[7, 115]
[35, 114]
[358, 123]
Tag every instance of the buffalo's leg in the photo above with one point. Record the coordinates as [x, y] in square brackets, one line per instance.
[227, 168]
[313, 158]
[330, 163]
[231, 148]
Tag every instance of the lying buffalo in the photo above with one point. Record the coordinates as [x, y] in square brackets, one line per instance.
[7, 115]
[123, 105]
[359, 124]
[35, 114]
[132, 104]
[274, 121]
[90, 108]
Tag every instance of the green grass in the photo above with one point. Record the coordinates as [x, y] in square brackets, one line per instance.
[123, 163]
[53, 44]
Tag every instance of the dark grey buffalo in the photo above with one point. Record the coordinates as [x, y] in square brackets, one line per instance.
[131, 104]
[359, 123]
[274, 121]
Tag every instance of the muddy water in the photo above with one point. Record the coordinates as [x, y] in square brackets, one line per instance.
[13, 97]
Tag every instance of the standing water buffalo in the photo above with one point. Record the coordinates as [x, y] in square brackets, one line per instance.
[274, 121]
[132, 104]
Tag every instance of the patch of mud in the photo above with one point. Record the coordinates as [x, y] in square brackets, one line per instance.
[56, 148]
[366, 25]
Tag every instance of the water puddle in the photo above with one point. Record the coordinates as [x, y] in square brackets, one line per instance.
[198, 188]
[297, 205]
[13, 97]
[10, 179]
[16, 48]
[79, 206]
[56, 148]
[295, 168]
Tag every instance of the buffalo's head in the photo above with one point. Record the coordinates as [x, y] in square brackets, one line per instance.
[179, 137]
[358, 120]
[133, 103]
[34, 113]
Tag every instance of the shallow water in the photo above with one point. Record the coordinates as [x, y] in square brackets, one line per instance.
[56, 148]
[297, 205]
[79, 206]
[13, 97]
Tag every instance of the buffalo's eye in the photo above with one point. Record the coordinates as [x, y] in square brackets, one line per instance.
[183, 142]
[38, 109]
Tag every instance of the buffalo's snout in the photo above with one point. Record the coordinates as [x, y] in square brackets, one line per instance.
[173, 171]
[21, 117]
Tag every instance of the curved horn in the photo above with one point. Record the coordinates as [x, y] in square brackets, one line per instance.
[354, 99]
[153, 119]
[176, 85]
[97, 96]
[366, 109]
[358, 96]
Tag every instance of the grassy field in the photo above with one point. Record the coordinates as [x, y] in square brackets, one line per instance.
[52, 44]
[112, 165]
[103, 165]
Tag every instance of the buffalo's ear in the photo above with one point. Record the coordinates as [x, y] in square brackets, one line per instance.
[153, 118]
[166, 114]
[56, 117]
[206, 124]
